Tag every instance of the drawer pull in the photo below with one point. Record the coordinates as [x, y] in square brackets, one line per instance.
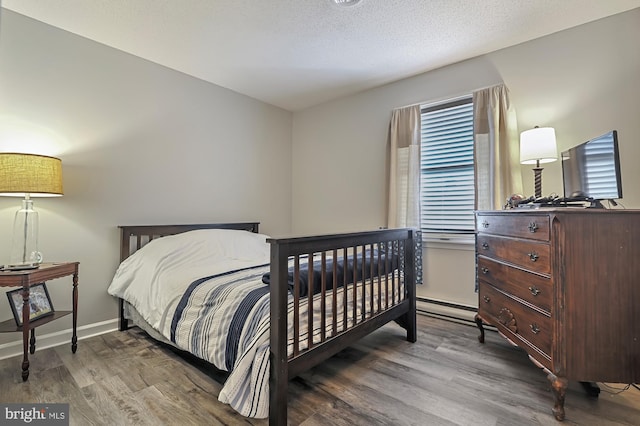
[485, 246]
[506, 318]
[535, 328]
[534, 291]
[485, 270]
[533, 256]
[533, 227]
[486, 299]
[485, 224]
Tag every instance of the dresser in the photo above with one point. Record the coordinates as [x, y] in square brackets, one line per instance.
[564, 285]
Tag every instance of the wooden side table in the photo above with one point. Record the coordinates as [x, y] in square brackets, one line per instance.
[25, 279]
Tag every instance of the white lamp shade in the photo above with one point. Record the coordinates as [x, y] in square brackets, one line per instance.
[538, 144]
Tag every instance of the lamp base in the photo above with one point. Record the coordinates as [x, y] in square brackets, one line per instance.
[537, 179]
[24, 248]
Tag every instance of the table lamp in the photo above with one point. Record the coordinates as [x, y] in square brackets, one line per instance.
[537, 146]
[27, 175]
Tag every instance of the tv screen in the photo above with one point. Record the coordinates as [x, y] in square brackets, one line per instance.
[592, 169]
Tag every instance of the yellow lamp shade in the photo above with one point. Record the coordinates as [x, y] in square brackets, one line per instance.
[37, 175]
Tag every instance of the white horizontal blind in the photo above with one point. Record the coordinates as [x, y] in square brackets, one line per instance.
[447, 189]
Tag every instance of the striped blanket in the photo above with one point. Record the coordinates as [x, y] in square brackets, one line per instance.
[224, 319]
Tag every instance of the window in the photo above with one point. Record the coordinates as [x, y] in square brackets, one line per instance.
[447, 188]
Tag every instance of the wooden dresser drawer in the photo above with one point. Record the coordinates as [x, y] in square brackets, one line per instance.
[517, 318]
[535, 227]
[530, 255]
[532, 288]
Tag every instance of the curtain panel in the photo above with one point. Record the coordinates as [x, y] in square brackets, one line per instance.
[404, 168]
[404, 176]
[496, 150]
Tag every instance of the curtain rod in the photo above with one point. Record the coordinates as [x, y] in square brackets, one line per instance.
[449, 98]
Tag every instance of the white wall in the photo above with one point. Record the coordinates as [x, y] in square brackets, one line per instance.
[139, 143]
[583, 81]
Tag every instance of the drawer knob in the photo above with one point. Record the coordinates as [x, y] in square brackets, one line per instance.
[534, 290]
[485, 270]
[485, 224]
[485, 246]
[534, 328]
[533, 227]
[533, 256]
[486, 299]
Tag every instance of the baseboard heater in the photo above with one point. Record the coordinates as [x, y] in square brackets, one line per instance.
[446, 310]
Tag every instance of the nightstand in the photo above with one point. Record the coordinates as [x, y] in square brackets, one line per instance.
[25, 279]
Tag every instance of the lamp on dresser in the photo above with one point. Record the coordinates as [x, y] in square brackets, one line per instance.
[537, 146]
[27, 175]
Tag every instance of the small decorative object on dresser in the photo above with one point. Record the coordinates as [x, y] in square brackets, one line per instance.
[562, 284]
[39, 303]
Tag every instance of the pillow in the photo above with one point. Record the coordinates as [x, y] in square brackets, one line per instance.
[207, 244]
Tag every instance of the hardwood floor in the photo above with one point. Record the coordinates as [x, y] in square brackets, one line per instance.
[446, 378]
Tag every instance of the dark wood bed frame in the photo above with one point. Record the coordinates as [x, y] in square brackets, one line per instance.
[284, 366]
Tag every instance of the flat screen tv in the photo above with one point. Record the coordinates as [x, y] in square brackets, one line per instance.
[592, 169]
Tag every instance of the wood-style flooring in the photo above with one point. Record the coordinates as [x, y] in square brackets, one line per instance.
[446, 378]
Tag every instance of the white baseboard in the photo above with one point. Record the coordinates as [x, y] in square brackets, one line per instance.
[58, 338]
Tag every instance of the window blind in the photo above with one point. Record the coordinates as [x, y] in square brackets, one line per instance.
[447, 189]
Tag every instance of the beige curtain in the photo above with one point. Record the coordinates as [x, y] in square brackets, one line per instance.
[404, 176]
[404, 168]
[496, 150]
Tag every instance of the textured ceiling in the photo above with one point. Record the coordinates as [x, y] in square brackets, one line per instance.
[299, 53]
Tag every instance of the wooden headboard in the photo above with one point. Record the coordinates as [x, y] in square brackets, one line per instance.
[132, 238]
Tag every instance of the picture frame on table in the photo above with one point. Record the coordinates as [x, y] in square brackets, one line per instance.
[40, 303]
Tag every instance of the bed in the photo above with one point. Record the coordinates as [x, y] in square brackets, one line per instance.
[263, 309]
